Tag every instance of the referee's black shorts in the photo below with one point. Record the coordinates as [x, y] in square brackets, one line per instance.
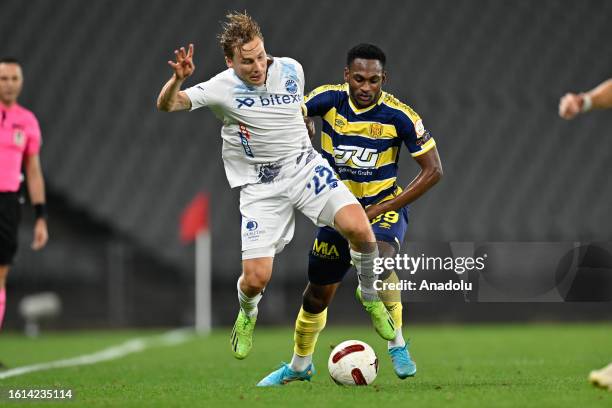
[10, 215]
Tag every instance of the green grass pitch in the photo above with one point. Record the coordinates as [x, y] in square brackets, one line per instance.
[535, 365]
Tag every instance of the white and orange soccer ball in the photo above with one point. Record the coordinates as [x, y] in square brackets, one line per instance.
[353, 362]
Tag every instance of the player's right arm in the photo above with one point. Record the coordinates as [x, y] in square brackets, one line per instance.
[171, 98]
[572, 104]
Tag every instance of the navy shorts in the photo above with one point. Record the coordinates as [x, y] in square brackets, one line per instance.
[330, 258]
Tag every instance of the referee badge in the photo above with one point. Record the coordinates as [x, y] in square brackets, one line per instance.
[19, 137]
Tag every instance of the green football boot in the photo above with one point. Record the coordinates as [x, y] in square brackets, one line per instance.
[241, 339]
[381, 319]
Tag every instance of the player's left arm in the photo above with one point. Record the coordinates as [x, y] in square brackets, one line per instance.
[36, 189]
[431, 172]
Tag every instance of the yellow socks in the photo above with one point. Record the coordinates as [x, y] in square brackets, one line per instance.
[393, 300]
[307, 329]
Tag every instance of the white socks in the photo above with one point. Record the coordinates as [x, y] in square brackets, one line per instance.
[247, 304]
[398, 341]
[299, 363]
[364, 263]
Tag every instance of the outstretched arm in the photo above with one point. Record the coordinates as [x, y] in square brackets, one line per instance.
[430, 174]
[171, 98]
[572, 104]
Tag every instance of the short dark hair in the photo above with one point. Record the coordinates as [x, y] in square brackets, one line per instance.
[9, 60]
[366, 51]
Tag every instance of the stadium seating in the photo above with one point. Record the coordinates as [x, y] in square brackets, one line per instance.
[485, 76]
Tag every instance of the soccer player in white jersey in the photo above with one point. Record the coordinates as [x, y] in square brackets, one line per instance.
[267, 153]
[570, 106]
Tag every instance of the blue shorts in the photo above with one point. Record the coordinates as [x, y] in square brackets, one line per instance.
[330, 258]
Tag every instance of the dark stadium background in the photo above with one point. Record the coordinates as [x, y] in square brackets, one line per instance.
[486, 77]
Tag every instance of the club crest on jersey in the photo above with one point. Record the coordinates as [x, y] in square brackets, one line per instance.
[376, 129]
[291, 86]
[19, 137]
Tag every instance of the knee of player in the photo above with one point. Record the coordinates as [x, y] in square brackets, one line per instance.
[314, 304]
[359, 231]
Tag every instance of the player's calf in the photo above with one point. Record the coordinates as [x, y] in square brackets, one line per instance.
[255, 275]
[317, 298]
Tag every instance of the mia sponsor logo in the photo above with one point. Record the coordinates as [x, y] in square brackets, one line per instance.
[325, 250]
[251, 225]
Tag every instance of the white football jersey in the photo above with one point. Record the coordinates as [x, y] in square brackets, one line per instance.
[260, 124]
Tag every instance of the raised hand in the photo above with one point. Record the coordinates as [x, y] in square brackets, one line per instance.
[183, 67]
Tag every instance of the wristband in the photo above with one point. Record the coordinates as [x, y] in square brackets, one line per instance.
[40, 211]
[587, 103]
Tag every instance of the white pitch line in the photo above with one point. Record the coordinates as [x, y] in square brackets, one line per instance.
[170, 338]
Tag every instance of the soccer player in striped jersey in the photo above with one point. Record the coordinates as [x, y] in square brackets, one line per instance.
[363, 130]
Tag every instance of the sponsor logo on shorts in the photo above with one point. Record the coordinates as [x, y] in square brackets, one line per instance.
[251, 231]
[325, 250]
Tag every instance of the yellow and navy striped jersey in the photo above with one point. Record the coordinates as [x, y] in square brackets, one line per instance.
[363, 145]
